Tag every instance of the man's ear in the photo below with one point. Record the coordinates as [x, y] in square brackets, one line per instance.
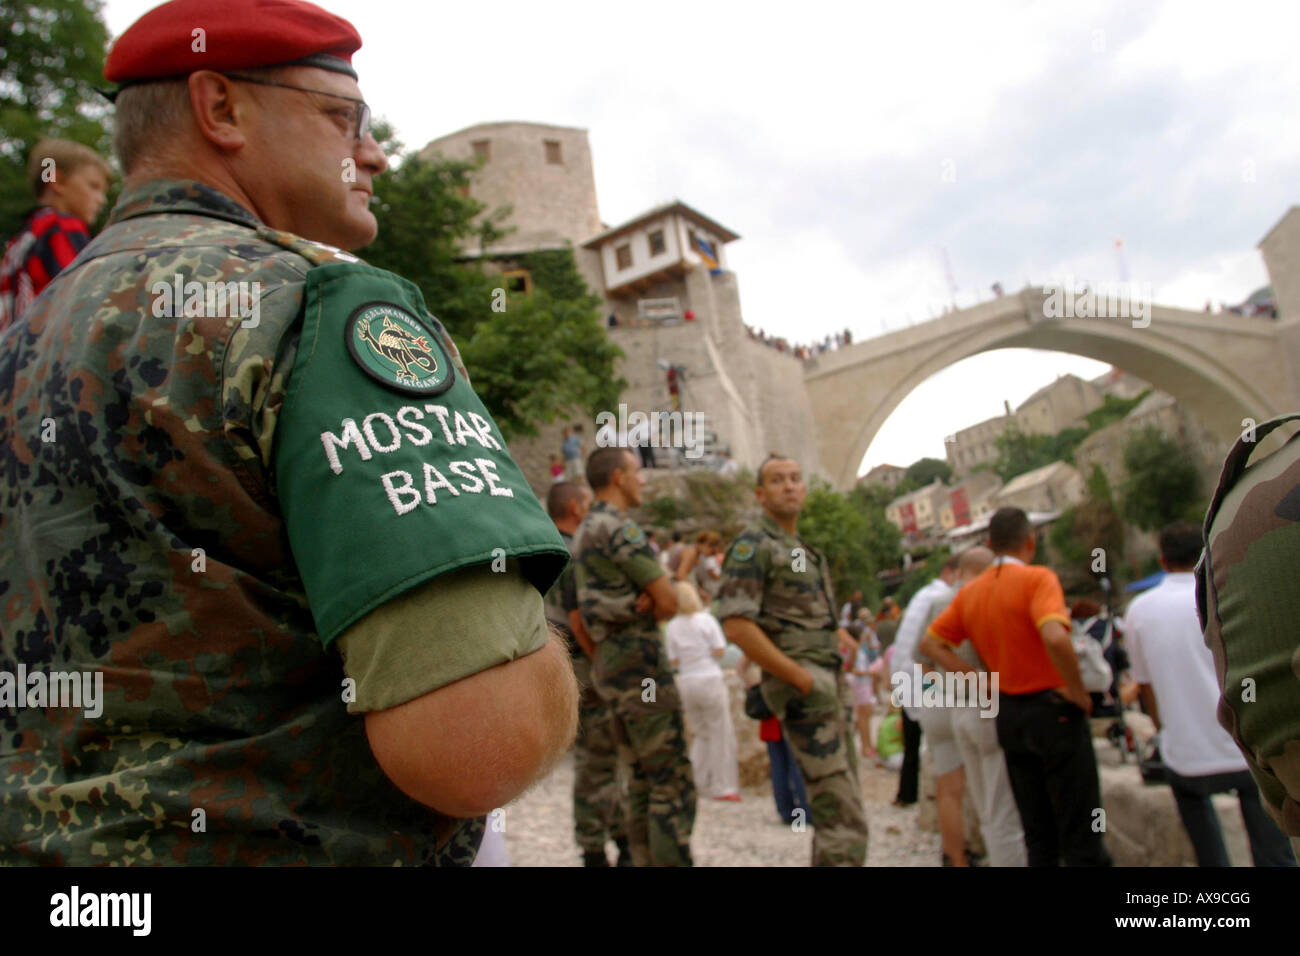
[218, 110]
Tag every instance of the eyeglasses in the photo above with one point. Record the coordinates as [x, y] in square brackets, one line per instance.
[360, 118]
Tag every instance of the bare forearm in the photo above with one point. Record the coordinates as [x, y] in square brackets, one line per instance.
[758, 647]
[943, 655]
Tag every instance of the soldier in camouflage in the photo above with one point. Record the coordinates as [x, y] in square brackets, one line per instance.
[1247, 601]
[599, 805]
[194, 517]
[622, 593]
[775, 604]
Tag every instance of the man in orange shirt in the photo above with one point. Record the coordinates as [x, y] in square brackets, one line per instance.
[1016, 618]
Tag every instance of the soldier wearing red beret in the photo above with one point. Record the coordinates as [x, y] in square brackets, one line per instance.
[255, 513]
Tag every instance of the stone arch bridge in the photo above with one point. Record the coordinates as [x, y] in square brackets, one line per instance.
[1221, 367]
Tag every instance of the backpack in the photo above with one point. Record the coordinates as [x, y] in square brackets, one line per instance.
[1093, 666]
[1246, 598]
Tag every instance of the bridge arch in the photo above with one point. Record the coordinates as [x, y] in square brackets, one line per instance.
[1223, 369]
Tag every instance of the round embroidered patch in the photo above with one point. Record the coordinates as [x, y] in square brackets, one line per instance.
[396, 349]
[633, 534]
[743, 550]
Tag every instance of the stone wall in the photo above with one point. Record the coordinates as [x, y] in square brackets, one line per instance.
[552, 204]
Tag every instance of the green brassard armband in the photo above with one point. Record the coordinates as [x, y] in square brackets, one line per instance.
[389, 469]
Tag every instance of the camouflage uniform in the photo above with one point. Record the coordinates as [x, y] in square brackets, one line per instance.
[1246, 598]
[794, 608]
[614, 565]
[599, 805]
[146, 541]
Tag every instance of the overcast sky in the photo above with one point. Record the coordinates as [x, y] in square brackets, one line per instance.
[851, 144]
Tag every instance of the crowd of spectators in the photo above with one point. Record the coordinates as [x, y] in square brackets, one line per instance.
[804, 352]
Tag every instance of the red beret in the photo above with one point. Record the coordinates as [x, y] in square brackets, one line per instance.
[236, 34]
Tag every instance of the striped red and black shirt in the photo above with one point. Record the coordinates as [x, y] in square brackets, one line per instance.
[49, 240]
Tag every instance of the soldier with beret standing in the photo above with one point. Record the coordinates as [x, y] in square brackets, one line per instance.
[622, 595]
[248, 485]
[775, 604]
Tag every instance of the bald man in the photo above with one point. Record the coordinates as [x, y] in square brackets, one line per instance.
[982, 767]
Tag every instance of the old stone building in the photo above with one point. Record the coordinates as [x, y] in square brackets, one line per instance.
[977, 444]
[672, 302]
[1057, 406]
[1052, 488]
[885, 476]
[1104, 448]
[970, 499]
[918, 514]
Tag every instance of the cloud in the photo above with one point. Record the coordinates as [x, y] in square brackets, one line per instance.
[850, 145]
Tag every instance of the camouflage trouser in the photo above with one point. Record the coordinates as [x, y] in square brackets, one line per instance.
[819, 727]
[651, 739]
[599, 806]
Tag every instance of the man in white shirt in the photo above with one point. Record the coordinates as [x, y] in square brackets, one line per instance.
[910, 629]
[1173, 667]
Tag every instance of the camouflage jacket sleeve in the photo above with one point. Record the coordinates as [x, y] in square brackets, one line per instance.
[744, 576]
[631, 552]
[1247, 605]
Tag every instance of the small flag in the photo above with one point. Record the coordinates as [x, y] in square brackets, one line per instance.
[707, 254]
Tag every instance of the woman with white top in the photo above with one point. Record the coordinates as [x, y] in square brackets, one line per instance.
[695, 642]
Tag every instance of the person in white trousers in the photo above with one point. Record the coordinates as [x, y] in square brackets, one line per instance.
[975, 737]
[695, 642]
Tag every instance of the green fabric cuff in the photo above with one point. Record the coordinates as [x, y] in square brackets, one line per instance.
[460, 624]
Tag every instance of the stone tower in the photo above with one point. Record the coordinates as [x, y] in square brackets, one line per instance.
[543, 172]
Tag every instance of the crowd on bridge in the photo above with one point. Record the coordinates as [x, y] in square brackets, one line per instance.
[803, 352]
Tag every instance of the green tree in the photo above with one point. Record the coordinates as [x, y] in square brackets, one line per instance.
[877, 497]
[51, 62]
[856, 539]
[540, 357]
[1077, 534]
[1162, 484]
[922, 574]
[424, 217]
[1020, 452]
[923, 471]
[1113, 409]
[534, 356]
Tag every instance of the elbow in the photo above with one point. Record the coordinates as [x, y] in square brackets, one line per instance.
[474, 745]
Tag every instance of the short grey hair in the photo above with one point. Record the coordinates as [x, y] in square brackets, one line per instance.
[147, 115]
[150, 114]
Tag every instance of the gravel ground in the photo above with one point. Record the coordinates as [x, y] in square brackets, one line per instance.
[539, 828]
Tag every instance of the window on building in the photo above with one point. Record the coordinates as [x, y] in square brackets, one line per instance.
[657, 245]
[518, 280]
[553, 155]
[623, 255]
[482, 149]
